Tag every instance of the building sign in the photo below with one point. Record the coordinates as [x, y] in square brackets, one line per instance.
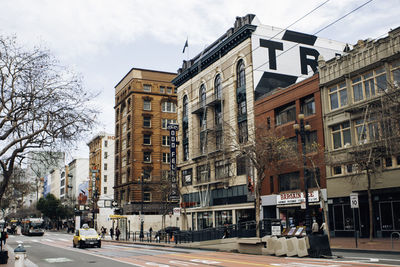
[173, 128]
[284, 57]
[297, 197]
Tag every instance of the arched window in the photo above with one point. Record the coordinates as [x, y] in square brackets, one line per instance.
[218, 87]
[241, 77]
[185, 128]
[202, 95]
[185, 106]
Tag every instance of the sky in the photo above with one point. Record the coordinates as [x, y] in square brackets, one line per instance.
[102, 40]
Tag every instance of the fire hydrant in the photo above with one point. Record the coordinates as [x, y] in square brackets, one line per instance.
[20, 256]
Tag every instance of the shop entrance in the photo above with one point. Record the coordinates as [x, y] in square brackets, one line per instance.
[295, 216]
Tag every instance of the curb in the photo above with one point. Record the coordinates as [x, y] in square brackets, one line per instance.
[356, 250]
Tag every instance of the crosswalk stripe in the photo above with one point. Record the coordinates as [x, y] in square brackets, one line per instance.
[35, 240]
[19, 242]
[49, 240]
[62, 239]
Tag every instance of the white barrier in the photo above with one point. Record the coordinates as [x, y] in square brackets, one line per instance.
[270, 245]
[302, 247]
[280, 247]
[292, 246]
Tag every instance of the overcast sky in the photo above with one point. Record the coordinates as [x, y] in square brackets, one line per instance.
[103, 40]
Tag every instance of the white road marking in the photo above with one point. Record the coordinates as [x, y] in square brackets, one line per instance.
[62, 239]
[35, 240]
[19, 241]
[57, 260]
[48, 240]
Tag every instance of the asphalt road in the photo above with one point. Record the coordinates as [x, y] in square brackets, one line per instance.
[55, 249]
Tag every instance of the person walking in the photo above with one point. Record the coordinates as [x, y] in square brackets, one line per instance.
[117, 233]
[151, 232]
[112, 233]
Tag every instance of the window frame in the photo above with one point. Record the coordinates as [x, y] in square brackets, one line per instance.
[146, 104]
[146, 119]
[341, 130]
[147, 87]
[368, 83]
[146, 155]
[146, 137]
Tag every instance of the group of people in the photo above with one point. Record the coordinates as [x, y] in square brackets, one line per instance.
[117, 232]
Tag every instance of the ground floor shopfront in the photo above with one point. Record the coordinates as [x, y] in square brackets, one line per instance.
[385, 209]
[217, 216]
[290, 209]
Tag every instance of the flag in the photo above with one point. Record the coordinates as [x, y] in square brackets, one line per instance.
[186, 45]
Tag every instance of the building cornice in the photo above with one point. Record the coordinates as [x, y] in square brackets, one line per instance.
[215, 54]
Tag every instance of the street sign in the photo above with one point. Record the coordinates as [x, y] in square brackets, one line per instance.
[177, 211]
[354, 200]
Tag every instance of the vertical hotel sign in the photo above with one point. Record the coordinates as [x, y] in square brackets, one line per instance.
[173, 128]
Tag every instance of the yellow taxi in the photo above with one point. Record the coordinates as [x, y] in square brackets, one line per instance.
[86, 237]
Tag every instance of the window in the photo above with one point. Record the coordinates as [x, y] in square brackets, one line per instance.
[271, 184]
[146, 139]
[105, 166]
[105, 155]
[243, 137]
[124, 143]
[218, 87]
[185, 110]
[175, 90]
[165, 140]
[203, 173]
[168, 107]
[241, 77]
[105, 143]
[218, 140]
[218, 114]
[186, 151]
[368, 85]
[395, 69]
[187, 177]
[203, 121]
[203, 142]
[166, 157]
[124, 127]
[146, 105]
[338, 96]
[105, 190]
[202, 95]
[147, 87]
[289, 181]
[222, 169]
[241, 165]
[169, 90]
[123, 161]
[337, 170]
[285, 114]
[162, 89]
[105, 178]
[146, 175]
[341, 135]
[311, 142]
[146, 196]
[165, 122]
[308, 106]
[366, 132]
[147, 157]
[147, 122]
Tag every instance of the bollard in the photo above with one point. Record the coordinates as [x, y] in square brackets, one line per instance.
[20, 256]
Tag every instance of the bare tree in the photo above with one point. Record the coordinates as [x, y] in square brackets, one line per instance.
[267, 150]
[42, 105]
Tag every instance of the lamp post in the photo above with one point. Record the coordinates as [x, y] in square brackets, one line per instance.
[141, 235]
[303, 130]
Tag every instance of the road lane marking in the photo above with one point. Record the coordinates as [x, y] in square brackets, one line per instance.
[48, 240]
[57, 260]
[62, 239]
[35, 240]
[196, 258]
[20, 242]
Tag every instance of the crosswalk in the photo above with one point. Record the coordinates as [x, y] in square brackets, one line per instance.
[47, 238]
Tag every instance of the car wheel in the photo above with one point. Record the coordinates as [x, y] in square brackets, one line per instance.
[73, 244]
[99, 245]
[81, 245]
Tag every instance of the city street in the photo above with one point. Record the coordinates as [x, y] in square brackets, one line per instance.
[56, 248]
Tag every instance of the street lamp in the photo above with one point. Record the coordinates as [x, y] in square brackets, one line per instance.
[303, 130]
[141, 235]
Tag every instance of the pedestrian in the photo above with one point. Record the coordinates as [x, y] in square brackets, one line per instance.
[112, 233]
[151, 232]
[324, 228]
[315, 228]
[117, 233]
[102, 232]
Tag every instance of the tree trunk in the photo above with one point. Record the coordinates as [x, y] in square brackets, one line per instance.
[257, 192]
[371, 217]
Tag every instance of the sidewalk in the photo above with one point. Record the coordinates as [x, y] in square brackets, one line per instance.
[383, 245]
[377, 244]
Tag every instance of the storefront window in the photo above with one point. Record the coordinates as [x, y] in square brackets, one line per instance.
[245, 215]
[386, 215]
[204, 220]
[396, 215]
[343, 215]
[338, 215]
[223, 217]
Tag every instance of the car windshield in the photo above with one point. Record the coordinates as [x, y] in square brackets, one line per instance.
[88, 232]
